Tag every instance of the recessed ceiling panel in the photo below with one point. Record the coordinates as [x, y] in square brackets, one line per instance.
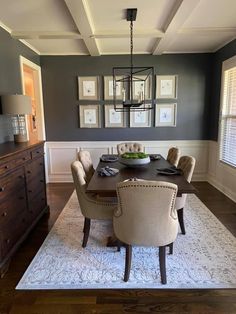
[59, 46]
[213, 13]
[122, 45]
[111, 14]
[195, 43]
[36, 15]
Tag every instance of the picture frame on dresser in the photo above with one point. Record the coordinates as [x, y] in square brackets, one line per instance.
[113, 118]
[166, 115]
[141, 119]
[166, 86]
[89, 116]
[88, 87]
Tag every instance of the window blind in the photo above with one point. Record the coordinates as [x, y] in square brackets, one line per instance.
[228, 118]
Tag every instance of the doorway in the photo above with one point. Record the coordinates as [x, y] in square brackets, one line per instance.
[32, 87]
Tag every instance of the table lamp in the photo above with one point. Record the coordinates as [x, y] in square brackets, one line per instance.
[17, 106]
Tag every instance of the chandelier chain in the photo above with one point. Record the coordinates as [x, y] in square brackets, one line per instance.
[131, 43]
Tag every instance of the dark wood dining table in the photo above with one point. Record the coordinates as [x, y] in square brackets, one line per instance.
[106, 186]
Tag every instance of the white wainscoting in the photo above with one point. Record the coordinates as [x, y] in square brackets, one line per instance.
[59, 155]
[222, 176]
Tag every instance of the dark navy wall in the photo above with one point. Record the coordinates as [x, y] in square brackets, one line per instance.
[61, 96]
[10, 79]
[221, 55]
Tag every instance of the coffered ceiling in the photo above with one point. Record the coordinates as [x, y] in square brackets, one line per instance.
[99, 27]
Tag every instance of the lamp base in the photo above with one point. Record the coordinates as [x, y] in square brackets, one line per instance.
[20, 138]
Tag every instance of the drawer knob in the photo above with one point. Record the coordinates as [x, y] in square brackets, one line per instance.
[30, 191]
[24, 158]
[28, 171]
[38, 152]
[41, 164]
[6, 167]
[21, 177]
[4, 214]
[2, 188]
[41, 180]
[8, 241]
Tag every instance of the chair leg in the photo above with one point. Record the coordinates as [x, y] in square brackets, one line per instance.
[128, 257]
[171, 248]
[162, 262]
[118, 245]
[86, 231]
[180, 213]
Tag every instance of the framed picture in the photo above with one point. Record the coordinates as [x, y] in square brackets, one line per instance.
[89, 116]
[166, 86]
[108, 88]
[114, 119]
[140, 119]
[141, 88]
[88, 87]
[166, 114]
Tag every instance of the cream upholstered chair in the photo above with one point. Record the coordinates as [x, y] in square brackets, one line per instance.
[91, 207]
[146, 216]
[186, 164]
[173, 155]
[86, 160]
[129, 147]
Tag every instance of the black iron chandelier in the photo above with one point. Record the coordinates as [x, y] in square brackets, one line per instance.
[132, 86]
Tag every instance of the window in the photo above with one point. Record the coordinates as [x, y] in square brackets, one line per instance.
[228, 113]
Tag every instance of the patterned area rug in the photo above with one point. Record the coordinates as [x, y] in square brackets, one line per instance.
[203, 258]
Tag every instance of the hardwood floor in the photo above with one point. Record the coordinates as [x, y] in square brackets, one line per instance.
[112, 301]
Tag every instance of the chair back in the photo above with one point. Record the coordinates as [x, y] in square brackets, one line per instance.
[173, 155]
[86, 160]
[129, 147]
[187, 165]
[146, 214]
[90, 206]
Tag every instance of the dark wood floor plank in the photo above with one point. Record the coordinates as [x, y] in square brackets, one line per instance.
[220, 301]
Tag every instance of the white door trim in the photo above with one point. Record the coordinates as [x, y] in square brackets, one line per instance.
[37, 69]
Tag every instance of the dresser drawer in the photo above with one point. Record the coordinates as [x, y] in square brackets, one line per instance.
[12, 162]
[12, 232]
[9, 210]
[37, 204]
[11, 183]
[37, 152]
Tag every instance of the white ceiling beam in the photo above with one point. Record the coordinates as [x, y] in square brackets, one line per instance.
[139, 33]
[81, 16]
[44, 35]
[207, 30]
[178, 16]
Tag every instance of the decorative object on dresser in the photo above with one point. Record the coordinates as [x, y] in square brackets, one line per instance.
[17, 106]
[22, 195]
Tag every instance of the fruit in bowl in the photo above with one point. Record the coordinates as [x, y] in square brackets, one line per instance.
[134, 159]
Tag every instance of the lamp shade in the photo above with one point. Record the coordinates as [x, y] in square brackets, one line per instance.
[16, 104]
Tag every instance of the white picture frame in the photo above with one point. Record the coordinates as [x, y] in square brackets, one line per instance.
[137, 88]
[108, 88]
[88, 87]
[141, 119]
[114, 119]
[166, 115]
[89, 116]
[166, 86]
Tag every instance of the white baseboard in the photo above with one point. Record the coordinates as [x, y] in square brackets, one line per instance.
[222, 188]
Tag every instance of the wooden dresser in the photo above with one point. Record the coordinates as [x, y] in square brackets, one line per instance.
[22, 195]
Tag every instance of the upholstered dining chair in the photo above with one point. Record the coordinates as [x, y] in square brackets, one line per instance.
[86, 161]
[91, 207]
[187, 165]
[173, 155]
[146, 216]
[129, 147]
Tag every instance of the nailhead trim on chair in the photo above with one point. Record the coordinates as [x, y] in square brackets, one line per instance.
[116, 214]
